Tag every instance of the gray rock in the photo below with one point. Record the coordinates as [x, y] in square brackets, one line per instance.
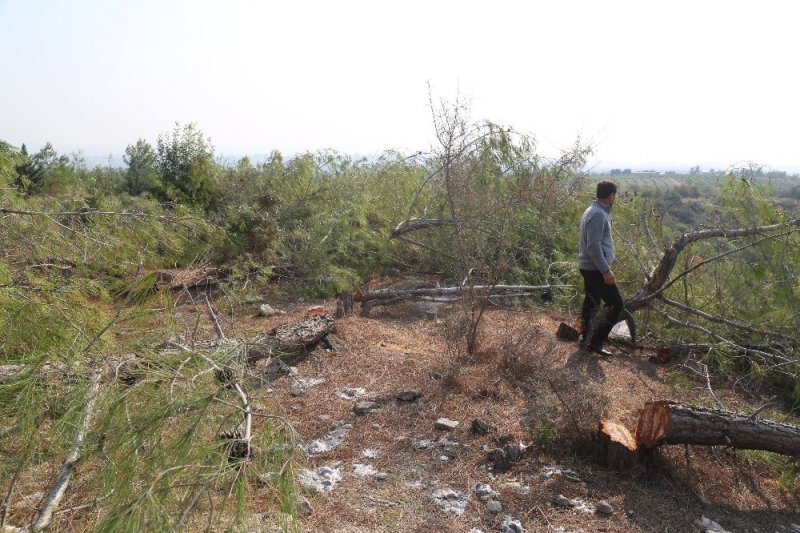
[410, 395]
[445, 424]
[333, 342]
[479, 427]
[365, 406]
[266, 310]
[504, 458]
[494, 506]
[604, 508]
[563, 501]
[381, 476]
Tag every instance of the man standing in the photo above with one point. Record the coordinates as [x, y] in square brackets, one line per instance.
[595, 257]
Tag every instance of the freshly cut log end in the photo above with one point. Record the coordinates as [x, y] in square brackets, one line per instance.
[666, 422]
[653, 424]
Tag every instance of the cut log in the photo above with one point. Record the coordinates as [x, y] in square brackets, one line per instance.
[673, 423]
[666, 422]
[290, 342]
[370, 299]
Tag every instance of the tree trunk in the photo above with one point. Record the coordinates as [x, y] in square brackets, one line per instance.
[370, 299]
[666, 422]
[290, 342]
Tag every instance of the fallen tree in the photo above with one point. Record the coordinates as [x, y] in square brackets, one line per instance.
[666, 422]
[370, 299]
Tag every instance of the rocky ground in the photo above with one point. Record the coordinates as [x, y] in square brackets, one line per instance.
[401, 431]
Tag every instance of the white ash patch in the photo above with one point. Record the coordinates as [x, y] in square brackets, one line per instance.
[451, 501]
[511, 525]
[422, 444]
[351, 394]
[307, 383]
[322, 479]
[364, 470]
[580, 505]
[369, 453]
[557, 471]
[328, 442]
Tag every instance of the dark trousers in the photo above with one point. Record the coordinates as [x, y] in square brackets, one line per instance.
[598, 320]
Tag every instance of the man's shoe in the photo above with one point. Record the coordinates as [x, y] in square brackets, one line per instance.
[597, 348]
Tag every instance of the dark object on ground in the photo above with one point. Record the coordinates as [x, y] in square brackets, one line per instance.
[291, 342]
[479, 427]
[567, 333]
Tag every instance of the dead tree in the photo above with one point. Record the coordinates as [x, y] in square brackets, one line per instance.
[659, 279]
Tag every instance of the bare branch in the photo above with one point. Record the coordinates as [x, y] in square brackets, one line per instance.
[51, 503]
[720, 320]
[658, 279]
[777, 359]
[220, 333]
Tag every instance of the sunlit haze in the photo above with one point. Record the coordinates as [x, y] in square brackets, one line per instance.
[656, 85]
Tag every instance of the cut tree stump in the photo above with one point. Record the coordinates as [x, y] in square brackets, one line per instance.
[291, 342]
[666, 422]
[567, 333]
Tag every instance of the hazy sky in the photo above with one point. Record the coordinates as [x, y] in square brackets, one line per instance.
[667, 84]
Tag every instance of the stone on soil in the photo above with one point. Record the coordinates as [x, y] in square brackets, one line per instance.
[563, 501]
[494, 506]
[445, 424]
[267, 310]
[479, 427]
[604, 508]
[408, 395]
[365, 406]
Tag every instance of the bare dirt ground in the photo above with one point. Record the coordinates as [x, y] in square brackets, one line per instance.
[532, 389]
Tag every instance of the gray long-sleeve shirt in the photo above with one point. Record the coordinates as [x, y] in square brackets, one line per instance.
[596, 247]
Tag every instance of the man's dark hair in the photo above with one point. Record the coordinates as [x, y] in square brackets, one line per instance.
[605, 189]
